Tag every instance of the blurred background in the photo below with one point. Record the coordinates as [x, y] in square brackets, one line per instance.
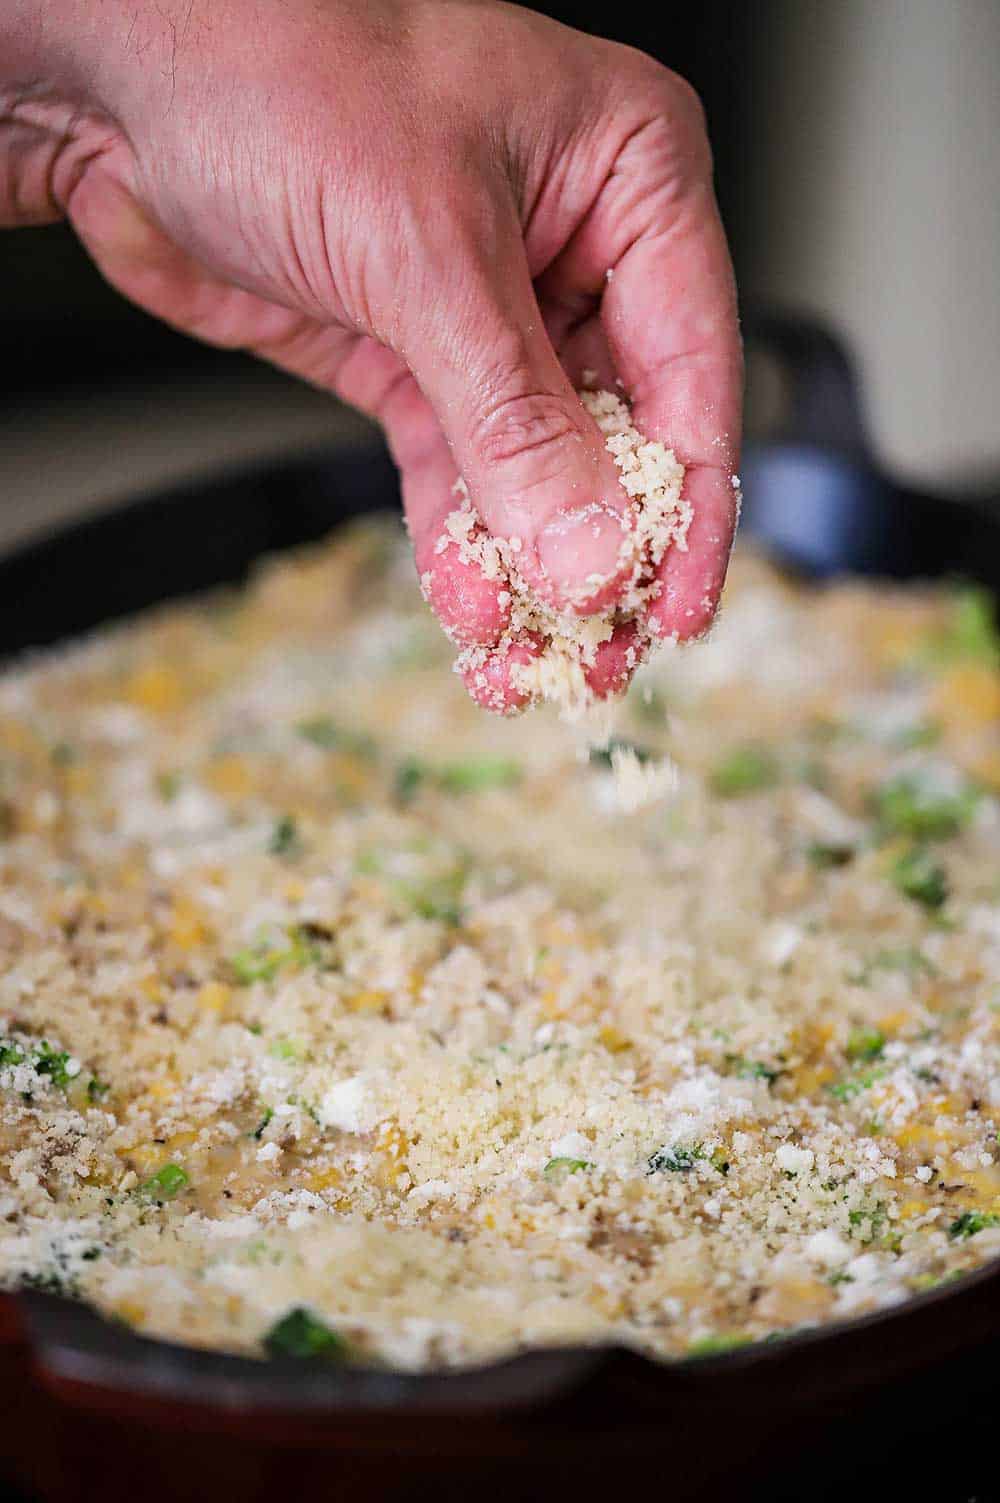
[859, 177]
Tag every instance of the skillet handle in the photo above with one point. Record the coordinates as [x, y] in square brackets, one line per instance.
[824, 405]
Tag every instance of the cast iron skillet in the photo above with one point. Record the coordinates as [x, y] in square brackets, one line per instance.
[69, 1379]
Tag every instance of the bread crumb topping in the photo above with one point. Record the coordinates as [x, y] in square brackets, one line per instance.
[339, 1018]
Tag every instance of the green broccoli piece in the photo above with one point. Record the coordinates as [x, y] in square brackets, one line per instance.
[748, 769]
[971, 1222]
[166, 1183]
[53, 1063]
[917, 875]
[285, 838]
[559, 1168]
[905, 806]
[301, 1334]
[325, 733]
[865, 1044]
[675, 1160]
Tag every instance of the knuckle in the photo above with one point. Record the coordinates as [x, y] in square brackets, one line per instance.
[525, 423]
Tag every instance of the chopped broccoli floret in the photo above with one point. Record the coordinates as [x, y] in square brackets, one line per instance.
[970, 634]
[971, 1222]
[301, 1334]
[675, 1160]
[906, 806]
[748, 769]
[865, 1044]
[478, 773]
[410, 774]
[263, 960]
[472, 775]
[825, 854]
[559, 1168]
[256, 963]
[57, 1064]
[918, 876]
[63, 754]
[751, 1069]
[714, 1346]
[285, 838]
[168, 785]
[165, 1183]
[325, 733]
[846, 1090]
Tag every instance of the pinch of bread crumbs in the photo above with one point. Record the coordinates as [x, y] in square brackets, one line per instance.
[655, 519]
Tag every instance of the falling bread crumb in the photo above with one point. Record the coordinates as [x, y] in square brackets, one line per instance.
[657, 518]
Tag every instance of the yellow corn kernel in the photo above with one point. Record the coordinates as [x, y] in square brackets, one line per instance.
[152, 987]
[613, 1041]
[811, 1078]
[987, 769]
[79, 779]
[131, 1311]
[968, 695]
[917, 1135]
[179, 1141]
[156, 688]
[393, 1146]
[550, 1004]
[351, 774]
[147, 1158]
[367, 1001]
[164, 1087]
[606, 1303]
[324, 1179]
[214, 996]
[16, 737]
[892, 640]
[294, 890]
[229, 775]
[187, 930]
[894, 1021]
[911, 1208]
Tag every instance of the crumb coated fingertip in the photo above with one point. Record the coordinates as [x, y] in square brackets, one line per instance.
[618, 554]
[472, 609]
[491, 675]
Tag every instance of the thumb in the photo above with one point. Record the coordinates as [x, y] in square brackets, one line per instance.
[533, 459]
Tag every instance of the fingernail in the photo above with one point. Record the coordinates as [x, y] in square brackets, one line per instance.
[580, 550]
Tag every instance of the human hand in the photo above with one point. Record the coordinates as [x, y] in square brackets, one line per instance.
[441, 210]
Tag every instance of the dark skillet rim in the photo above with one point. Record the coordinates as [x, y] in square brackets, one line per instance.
[71, 1344]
